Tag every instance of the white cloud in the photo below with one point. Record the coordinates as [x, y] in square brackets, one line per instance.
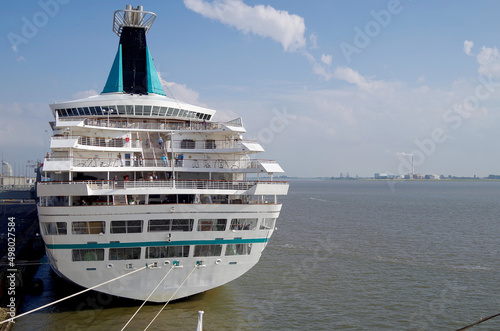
[180, 92]
[85, 94]
[489, 61]
[314, 41]
[264, 21]
[468, 47]
[351, 76]
[322, 71]
[326, 59]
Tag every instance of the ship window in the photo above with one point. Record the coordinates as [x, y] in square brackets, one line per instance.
[53, 228]
[90, 227]
[166, 225]
[129, 109]
[187, 144]
[98, 110]
[156, 110]
[160, 252]
[131, 253]
[126, 226]
[209, 117]
[209, 144]
[243, 223]
[207, 250]
[86, 110]
[182, 113]
[170, 111]
[81, 112]
[61, 112]
[212, 224]
[138, 110]
[175, 112]
[92, 110]
[121, 109]
[147, 110]
[238, 249]
[163, 110]
[267, 224]
[88, 254]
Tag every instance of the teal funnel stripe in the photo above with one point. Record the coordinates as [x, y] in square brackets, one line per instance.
[157, 243]
[154, 84]
[115, 78]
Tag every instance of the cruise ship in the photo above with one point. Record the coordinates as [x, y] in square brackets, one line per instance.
[146, 197]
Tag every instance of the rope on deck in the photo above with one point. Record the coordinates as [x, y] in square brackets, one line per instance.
[72, 295]
[170, 298]
[161, 281]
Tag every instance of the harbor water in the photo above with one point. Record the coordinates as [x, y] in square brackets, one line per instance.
[347, 255]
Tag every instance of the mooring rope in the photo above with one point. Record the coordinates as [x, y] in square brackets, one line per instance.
[72, 295]
[161, 281]
[480, 321]
[170, 299]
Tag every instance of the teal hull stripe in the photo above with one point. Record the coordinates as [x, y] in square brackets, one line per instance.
[156, 243]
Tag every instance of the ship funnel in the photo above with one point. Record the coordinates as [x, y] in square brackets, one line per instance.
[133, 70]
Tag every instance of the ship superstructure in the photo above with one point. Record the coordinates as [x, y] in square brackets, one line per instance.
[138, 179]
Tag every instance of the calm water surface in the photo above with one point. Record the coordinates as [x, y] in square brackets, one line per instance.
[348, 255]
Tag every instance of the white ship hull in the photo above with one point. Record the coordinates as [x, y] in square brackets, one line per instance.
[209, 271]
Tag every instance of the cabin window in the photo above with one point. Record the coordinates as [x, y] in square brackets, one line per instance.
[175, 112]
[129, 253]
[98, 110]
[126, 226]
[207, 250]
[138, 110]
[187, 144]
[96, 254]
[129, 109]
[161, 252]
[238, 249]
[147, 110]
[167, 225]
[267, 224]
[156, 110]
[163, 110]
[243, 223]
[212, 224]
[54, 228]
[210, 144]
[87, 227]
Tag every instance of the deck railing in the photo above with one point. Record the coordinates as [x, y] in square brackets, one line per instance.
[195, 184]
[159, 164]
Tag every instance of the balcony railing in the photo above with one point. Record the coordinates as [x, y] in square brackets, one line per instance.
[158, 163]
[197, 184]
[133, 125]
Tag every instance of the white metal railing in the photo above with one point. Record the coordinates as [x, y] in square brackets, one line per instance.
[136, 125]
[168, 184]
[139, 162]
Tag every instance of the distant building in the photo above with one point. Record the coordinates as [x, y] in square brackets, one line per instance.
[6, 169]
[433, 176]
[381, 176]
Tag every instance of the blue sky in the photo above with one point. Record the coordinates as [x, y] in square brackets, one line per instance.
[325, 86]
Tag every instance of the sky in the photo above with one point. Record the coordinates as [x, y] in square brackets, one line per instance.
[327, 87]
